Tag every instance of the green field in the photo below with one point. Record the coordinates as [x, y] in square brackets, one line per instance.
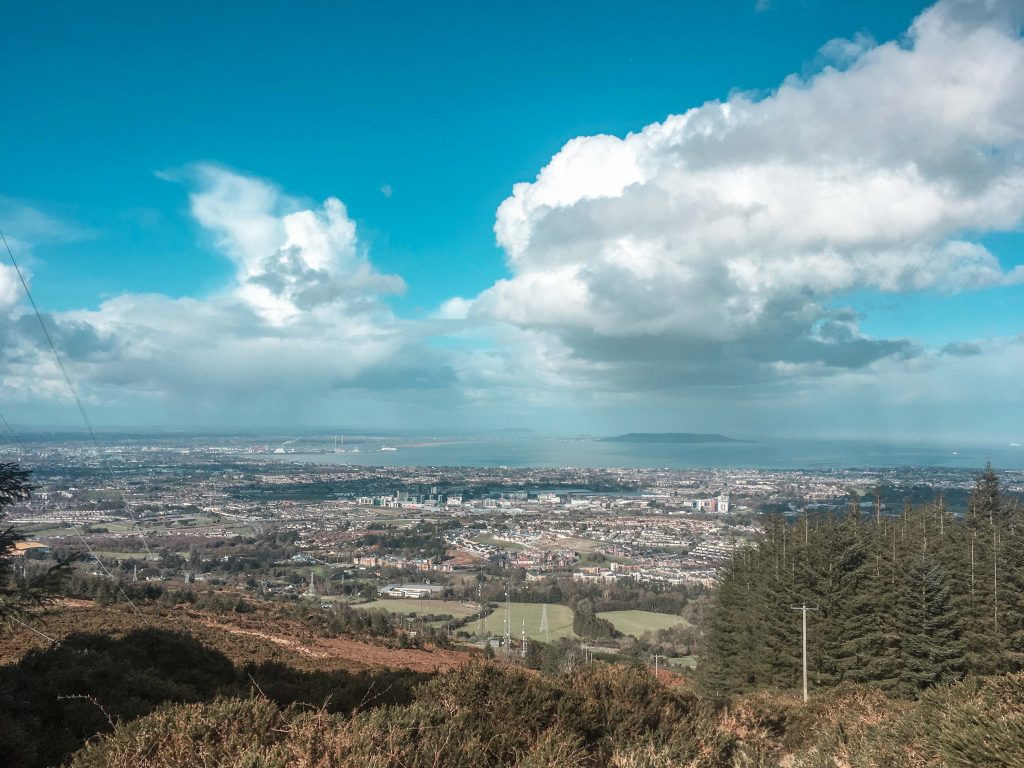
[485, 539]
[635, 623]
[559, 621]
[112, 555]
[422, 607]
[690, 662]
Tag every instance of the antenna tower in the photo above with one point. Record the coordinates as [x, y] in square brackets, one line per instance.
[311, 592]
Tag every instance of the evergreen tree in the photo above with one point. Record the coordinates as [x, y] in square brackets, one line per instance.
[731, 646]
[985, 498]
[1011, 597]
[869, 647]
[982, 555]
[931, 649]
[772, 598]
[905, 601]
[18, 596]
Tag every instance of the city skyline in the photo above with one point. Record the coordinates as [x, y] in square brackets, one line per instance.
[769, 218]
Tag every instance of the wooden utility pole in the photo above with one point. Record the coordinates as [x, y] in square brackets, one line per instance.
[803, 610]
[656, 657]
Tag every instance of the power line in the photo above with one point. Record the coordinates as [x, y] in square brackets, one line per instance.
[74, 392]
[33, 629]
[78, 533]
[10, 429]
[85, 419]
[109, 574]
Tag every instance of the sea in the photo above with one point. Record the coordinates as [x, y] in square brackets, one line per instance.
[592, 453]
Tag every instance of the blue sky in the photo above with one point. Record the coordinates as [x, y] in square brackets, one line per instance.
[419, 118]
[449, 104]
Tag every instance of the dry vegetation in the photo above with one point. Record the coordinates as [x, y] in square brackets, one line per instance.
[267, 689]
[269, 633]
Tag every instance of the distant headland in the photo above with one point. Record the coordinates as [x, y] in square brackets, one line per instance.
[671, 437]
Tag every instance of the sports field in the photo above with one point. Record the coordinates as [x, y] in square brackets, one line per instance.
[689, 662]
[635, 623]
[502, 544]
[113, 555]
[559, 621]
[423, 607]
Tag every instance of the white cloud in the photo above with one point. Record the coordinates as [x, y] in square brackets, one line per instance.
[710, 244]
[455, 308]
[288, 258]
[24, 226]
[705, 254]
[10, 288]
[302, 320]
[843, 52]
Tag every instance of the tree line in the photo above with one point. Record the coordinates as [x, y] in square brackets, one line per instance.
[902, 601]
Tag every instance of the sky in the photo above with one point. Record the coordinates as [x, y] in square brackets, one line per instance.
[796, 218]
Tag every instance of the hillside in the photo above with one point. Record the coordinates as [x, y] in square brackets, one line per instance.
[111, 665]
[202, 688]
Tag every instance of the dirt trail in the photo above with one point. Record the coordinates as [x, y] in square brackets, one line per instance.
[72, 615]
[357, 653]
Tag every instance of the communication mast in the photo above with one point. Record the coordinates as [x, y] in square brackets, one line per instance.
[522, 644]
[311, 592]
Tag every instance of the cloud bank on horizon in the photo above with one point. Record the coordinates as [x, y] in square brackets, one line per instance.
[700, 261]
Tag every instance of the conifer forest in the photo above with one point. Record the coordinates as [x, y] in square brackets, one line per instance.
[900, 601]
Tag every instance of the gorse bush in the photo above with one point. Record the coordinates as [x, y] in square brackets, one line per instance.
[491, 716]
[52, 700]
[157, 699]
[481, 715]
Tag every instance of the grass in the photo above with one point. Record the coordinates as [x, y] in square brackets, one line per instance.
[635, 623]
[487, 539]
[44, 532]
[559, 621]
[690, 662]
[112, 555]
[422, 607]
[128, 527]
[571, 542]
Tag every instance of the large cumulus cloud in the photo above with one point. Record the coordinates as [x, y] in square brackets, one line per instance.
[302, 319]
[289, 258]
[713, 246]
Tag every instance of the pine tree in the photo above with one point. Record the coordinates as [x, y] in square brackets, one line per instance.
[774, 594]
[1011, 603]
[904, 602]
[17, 597]
[986, 499]
[870, 646]
[732, 646]
[983, 552]
[931, 648]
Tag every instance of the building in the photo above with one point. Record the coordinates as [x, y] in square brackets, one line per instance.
[414, 591]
